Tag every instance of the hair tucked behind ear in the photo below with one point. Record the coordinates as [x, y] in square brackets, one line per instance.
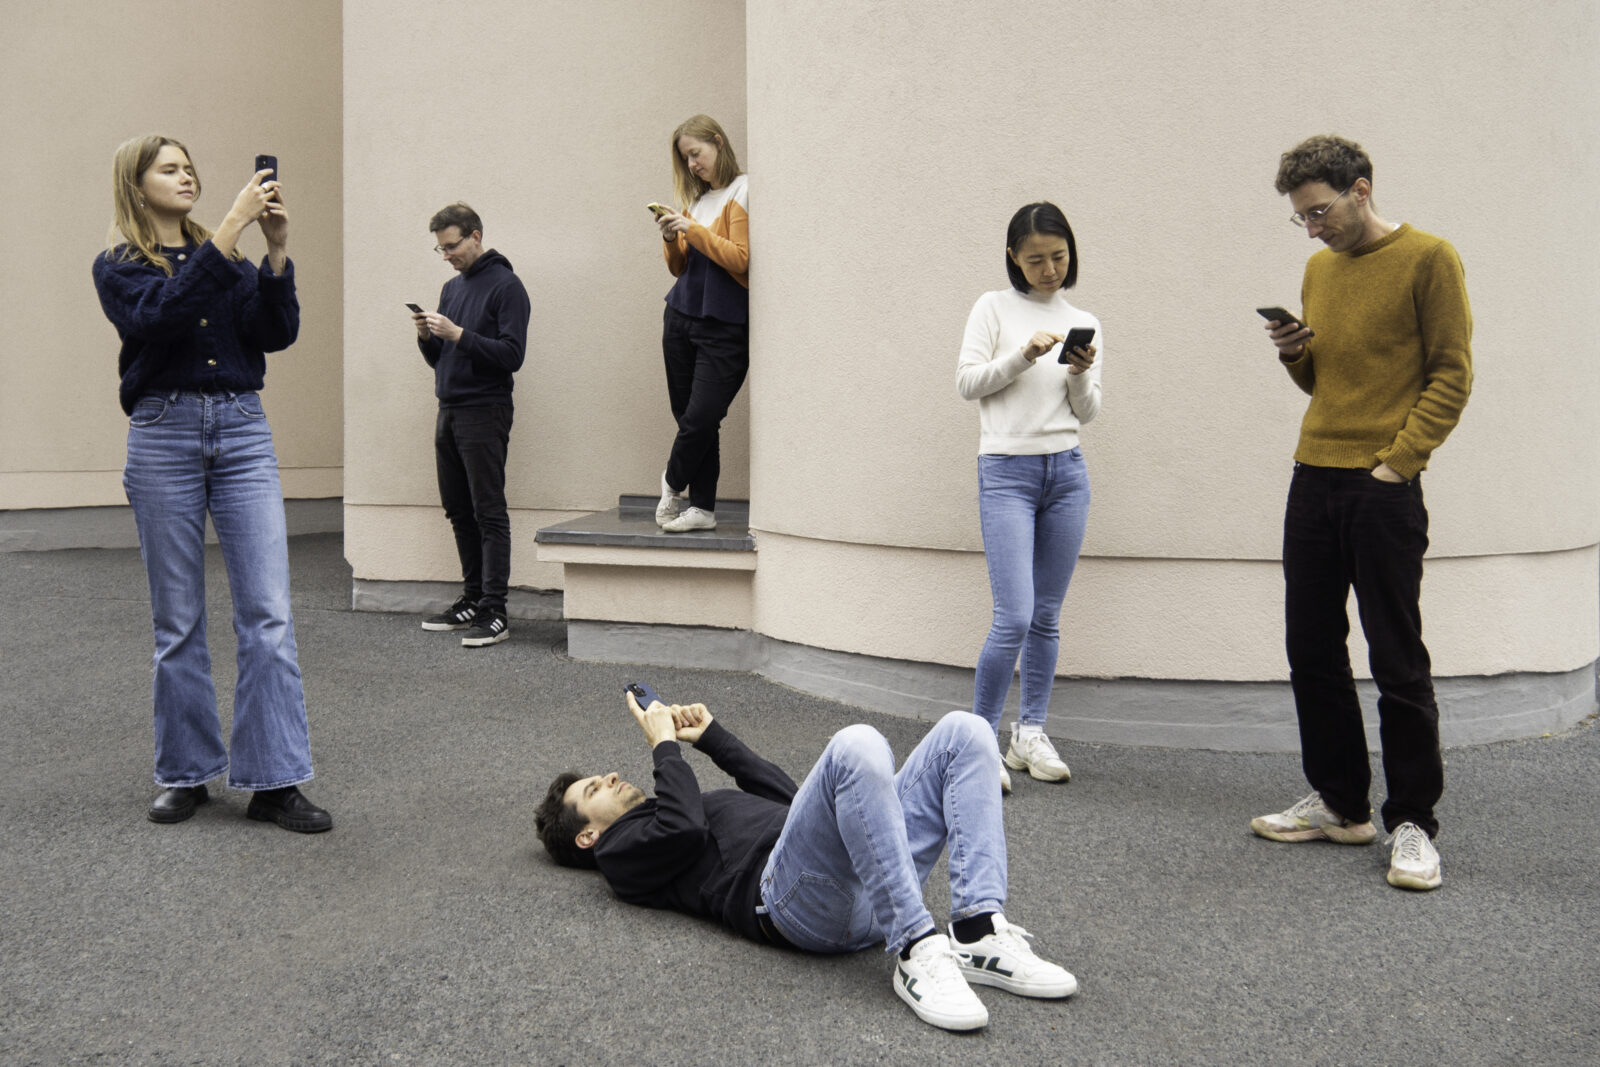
[558, 825]
[131, 229]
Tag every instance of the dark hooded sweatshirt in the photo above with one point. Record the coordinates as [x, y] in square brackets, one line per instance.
[490, 305]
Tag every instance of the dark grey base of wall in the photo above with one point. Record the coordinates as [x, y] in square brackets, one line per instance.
[425, 598]
[1224, 716]
[45, 529]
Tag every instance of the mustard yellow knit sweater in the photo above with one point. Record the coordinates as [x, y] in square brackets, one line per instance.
[1390, 367]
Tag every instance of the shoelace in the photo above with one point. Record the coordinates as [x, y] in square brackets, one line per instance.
[1016, 939]
[1408, 842]
[1306, 806]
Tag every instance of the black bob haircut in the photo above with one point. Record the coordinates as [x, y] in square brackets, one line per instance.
[1041, 218]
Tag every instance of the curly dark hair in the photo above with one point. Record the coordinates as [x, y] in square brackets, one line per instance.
[558, 825]
[1323, 158]
[458, 215]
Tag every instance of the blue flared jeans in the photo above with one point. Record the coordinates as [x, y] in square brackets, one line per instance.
[861, 838]
[1034, 510]
[190, 454]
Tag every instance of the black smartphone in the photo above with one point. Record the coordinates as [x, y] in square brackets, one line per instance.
[1281, 316]
[1077, 337]
[416, 309]
[642, 694]
[268, 163]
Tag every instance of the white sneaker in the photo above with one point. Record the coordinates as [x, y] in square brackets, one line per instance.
[671, 502]
[692, 519]
[930, 983]
[1003, 959]
[1038, 756]
[1005, 781]
[1413, 861]
[1310, 820]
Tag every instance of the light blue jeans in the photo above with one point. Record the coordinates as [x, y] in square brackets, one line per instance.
[1034, 510]
[190, 453]
[860, 840]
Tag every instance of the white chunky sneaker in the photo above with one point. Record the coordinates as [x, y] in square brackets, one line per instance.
[930, 983]
[1413, 861]
[692, 519]
[1038, 757]
[671, 502]
[1005, 781]
[1311, 820]
[1004, 960]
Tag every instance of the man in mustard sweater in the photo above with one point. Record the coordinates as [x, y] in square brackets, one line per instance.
[1384, 349]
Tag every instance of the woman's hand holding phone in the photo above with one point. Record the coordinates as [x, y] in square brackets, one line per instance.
[670, 222]
[1040, 343]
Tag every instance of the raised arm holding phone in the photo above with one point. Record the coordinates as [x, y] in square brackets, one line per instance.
[196, 321]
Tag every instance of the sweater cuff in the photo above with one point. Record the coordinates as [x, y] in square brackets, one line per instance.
[1403, 461]
[666, 750]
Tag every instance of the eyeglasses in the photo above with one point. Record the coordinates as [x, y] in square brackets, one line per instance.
[1316, 214]
[449, 249]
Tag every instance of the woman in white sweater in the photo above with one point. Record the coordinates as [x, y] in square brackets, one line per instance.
[1033, 489]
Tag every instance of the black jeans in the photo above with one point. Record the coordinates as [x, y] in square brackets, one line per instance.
[470, 449]
[706, 363]
[1345, 528]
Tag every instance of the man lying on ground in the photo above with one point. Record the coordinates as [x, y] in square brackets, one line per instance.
[833, 866]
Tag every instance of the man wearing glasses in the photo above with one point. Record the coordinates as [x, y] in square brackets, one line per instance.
[474, 343]
[1384, 349]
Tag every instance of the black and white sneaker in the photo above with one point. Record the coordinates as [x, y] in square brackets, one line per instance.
[458, 616]
[489, 628]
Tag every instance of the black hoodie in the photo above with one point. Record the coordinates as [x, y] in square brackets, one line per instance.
[490, 305]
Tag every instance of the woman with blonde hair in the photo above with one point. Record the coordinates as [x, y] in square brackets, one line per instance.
[705, 339]
[196, 320]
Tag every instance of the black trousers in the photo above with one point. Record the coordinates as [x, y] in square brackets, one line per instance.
[469, 447]
[706, 362]
[1344, 528]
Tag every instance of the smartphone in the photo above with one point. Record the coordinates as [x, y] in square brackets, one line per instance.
[658, 210]
[643, 694]
[1077, 337]
[1281, 316]
[268, 163]
[416, 309]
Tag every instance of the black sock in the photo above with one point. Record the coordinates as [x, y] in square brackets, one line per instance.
[905, 953]
[969, 930]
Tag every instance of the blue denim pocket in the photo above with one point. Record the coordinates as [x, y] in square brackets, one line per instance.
[821, 909]
[149, 410]
[249, 405]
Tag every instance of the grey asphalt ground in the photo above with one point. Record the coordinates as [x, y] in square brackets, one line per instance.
[428, 928]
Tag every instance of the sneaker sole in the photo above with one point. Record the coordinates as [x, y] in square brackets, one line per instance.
[1016, 763]
[942, 1021]
[1040, 990]
[1401, 880]
[480, 642]
[1364, 834]
[440, 627]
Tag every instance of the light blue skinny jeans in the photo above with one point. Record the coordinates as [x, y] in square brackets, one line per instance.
[189, 454]
[861, 839]
[1034, 510]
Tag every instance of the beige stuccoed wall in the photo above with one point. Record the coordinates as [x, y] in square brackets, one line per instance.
[552, 119]
[80, 77]
[897, 137]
